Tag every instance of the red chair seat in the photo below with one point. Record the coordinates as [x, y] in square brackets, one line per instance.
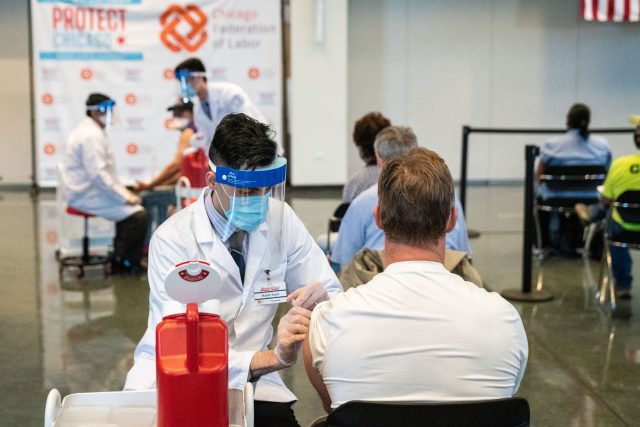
[74, 211]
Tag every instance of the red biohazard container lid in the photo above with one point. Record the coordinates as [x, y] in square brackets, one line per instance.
[192, 282]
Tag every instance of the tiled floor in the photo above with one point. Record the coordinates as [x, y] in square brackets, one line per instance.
[79, 336]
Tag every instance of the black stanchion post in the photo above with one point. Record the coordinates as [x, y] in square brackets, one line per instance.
[466, 130]
[463, 168]
[526, 293]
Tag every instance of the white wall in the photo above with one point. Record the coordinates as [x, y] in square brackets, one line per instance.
[436, 65]
[318, 95]
[15, 129]
[430, 64]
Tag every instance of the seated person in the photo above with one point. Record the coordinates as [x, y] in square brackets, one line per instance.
[182, 121]
[358, 229]
[576, 147]
[364, 134]
[624, 175]
[415, 332]
[159, 202]
[92, 185]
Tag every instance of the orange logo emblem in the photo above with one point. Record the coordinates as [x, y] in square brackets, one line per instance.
[132, 149]
[86, 74]
[174, 19]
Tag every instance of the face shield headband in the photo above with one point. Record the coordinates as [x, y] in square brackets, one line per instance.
[248, 209]
[186, 89]
[105, 107]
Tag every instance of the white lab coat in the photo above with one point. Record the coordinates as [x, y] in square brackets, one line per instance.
[224, 98]
[188, 235]
[89, 174]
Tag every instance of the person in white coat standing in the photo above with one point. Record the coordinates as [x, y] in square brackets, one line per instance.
[242, 227]
[212, 100]
[91, 184]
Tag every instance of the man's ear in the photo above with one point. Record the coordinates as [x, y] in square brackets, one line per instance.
[453, 219]
[379, 161]
[376, 216]
[211, 179]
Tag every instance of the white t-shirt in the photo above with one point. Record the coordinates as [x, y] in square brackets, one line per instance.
[418, 333]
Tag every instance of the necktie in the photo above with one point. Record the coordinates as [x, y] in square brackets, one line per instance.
[206, 108]
[236, 241]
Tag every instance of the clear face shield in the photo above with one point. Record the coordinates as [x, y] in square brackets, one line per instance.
[253, 200]
[185, 78]
[105, 107]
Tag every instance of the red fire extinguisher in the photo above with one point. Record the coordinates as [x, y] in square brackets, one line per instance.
[192, 361]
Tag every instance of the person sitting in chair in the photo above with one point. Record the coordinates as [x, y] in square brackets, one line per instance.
[577, 147]
[415, 332]
[623, 176]
[358, 229]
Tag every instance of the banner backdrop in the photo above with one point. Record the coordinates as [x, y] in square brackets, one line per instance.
[127, 49]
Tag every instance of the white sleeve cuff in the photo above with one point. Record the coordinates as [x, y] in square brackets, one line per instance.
[239, 364]
[142, 375]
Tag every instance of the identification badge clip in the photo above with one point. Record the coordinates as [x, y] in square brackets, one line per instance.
[269, 291]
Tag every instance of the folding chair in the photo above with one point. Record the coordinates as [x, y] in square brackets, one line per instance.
[628, 206]
[334, 223]
[509, 412]
[582, 178]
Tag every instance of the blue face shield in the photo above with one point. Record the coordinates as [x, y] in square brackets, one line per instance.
[190, 92]
[186, 89]
[106, 108]
[255, 203]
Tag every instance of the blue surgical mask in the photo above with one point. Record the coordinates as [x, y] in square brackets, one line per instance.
[190, 91]
[247, 213]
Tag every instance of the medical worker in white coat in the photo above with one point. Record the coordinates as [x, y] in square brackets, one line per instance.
[212, 100]
[92, 186]
[241, 225]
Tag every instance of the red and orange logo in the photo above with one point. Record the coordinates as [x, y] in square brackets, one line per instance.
[132, 149]
[86, 73]
[254, 73]
[130, 99]
[174, 19]
[49, 149]
[168, 74]
[47, 99]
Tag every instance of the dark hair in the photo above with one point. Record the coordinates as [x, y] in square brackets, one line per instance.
[241, 142]
[415, 195]
[364, 134]
[95, 99]
[578, 117]
[181, 107]
[191, 64]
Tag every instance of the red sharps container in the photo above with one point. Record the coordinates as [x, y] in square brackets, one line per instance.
[192, 368]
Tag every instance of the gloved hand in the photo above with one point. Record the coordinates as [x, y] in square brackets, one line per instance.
[292, 329]
[309, 295]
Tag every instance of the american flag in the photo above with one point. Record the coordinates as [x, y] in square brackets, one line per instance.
[611, 10]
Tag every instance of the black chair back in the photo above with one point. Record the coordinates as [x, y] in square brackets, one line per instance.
[338, 214]
[510, 412]
[573, 178]
[628, 206]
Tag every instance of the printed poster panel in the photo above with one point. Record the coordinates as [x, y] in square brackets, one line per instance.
[127, 49]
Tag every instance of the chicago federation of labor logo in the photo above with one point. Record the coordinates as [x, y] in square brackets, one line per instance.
[183, 28]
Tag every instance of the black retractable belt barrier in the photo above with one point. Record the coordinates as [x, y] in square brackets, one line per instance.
[526, 293]
[468, 130]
